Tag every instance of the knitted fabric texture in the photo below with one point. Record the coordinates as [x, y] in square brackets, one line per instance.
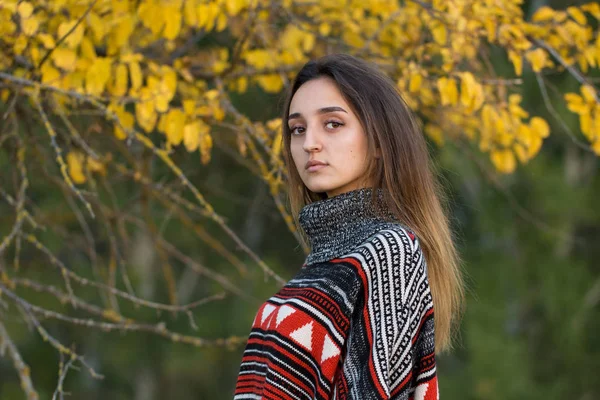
[355, 322]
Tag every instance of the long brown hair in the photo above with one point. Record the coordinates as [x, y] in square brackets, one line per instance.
[404, 170]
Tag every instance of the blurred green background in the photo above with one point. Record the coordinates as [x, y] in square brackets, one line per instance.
[530, 244]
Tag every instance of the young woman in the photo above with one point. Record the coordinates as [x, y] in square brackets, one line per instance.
[357, 320]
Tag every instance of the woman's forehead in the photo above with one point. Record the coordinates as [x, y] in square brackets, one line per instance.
[317, 95]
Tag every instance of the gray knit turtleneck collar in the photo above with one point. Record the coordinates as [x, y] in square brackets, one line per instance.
[338, 224]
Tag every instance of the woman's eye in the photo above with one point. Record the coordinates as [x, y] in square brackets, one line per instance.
[335, 123]
[292, 130]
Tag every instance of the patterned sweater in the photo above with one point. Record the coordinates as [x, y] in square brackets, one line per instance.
[355, 322]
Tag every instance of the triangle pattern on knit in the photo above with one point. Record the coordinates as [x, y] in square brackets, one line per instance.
[329, 349]
[303, 335]
[284, 312]
[267, 310]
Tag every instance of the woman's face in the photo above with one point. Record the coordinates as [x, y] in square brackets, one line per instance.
[324, 128]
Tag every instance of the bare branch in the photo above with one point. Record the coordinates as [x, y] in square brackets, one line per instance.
[22, 368]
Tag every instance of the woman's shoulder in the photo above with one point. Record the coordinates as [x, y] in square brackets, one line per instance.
[395, 237]
[390, 242]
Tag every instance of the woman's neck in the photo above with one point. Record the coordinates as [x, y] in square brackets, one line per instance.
[338, 224]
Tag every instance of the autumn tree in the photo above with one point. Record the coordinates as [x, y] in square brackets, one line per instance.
[105, 96]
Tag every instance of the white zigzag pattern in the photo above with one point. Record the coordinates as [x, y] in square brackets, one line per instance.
[387, 280]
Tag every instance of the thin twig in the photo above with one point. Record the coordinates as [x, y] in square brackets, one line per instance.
[22, 368]
[554, 114]
[59, 41]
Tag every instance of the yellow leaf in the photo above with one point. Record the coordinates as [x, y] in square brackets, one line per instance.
[448, 90]
[75, 164]
[135, 74]
[191, 136]
[119, 7]
[30, 25]
[83, 64]
[514, 108]
[488, 116]
[74, 81]
[354, 39]
[439, 33]
[274, 124]
[517, 61]
[150, 18]
[277, 144]
[524, 135]
[170, 80]
[221, 22]
[218, 113]
[25, 9]
[162, 123]
[505, 138]
[540, 126]
[204, 111]
[50, 75]
[205, 147]
[537, 58]
[96, 166]
[242, 84]
[46, 40]
[591, 54]
[73, 37]
[120, 35]
[577, 15]
[175, 123]
[415, 82]
[64, 58]
[97, 76]
[592, 8]
[490, 27]
[145, 112]
[575, 103]
[189, 107]
[596, 146]
[99, 28]
[87, 49]
[270, 83]
[585, 122]
[202, 15]
[467, 88]
[172, 18]
[259, 58]
[119, 87]
[324, 29]
[535, 146]
[125, 120]
[160, 93]
[503, 160]
[308, 42]
[189, 13]
[20, 44]
[521, 152]
[589, 94]
[477, 99]
[435, 133]
[596, 128]
[544, 13]
[34, 53]
[234, 6]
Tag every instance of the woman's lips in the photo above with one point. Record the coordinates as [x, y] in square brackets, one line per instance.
[314, 168]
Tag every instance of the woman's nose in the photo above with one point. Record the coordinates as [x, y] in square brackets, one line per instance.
[312, 141]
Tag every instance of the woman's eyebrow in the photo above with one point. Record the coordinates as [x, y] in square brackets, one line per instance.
[324, 110]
